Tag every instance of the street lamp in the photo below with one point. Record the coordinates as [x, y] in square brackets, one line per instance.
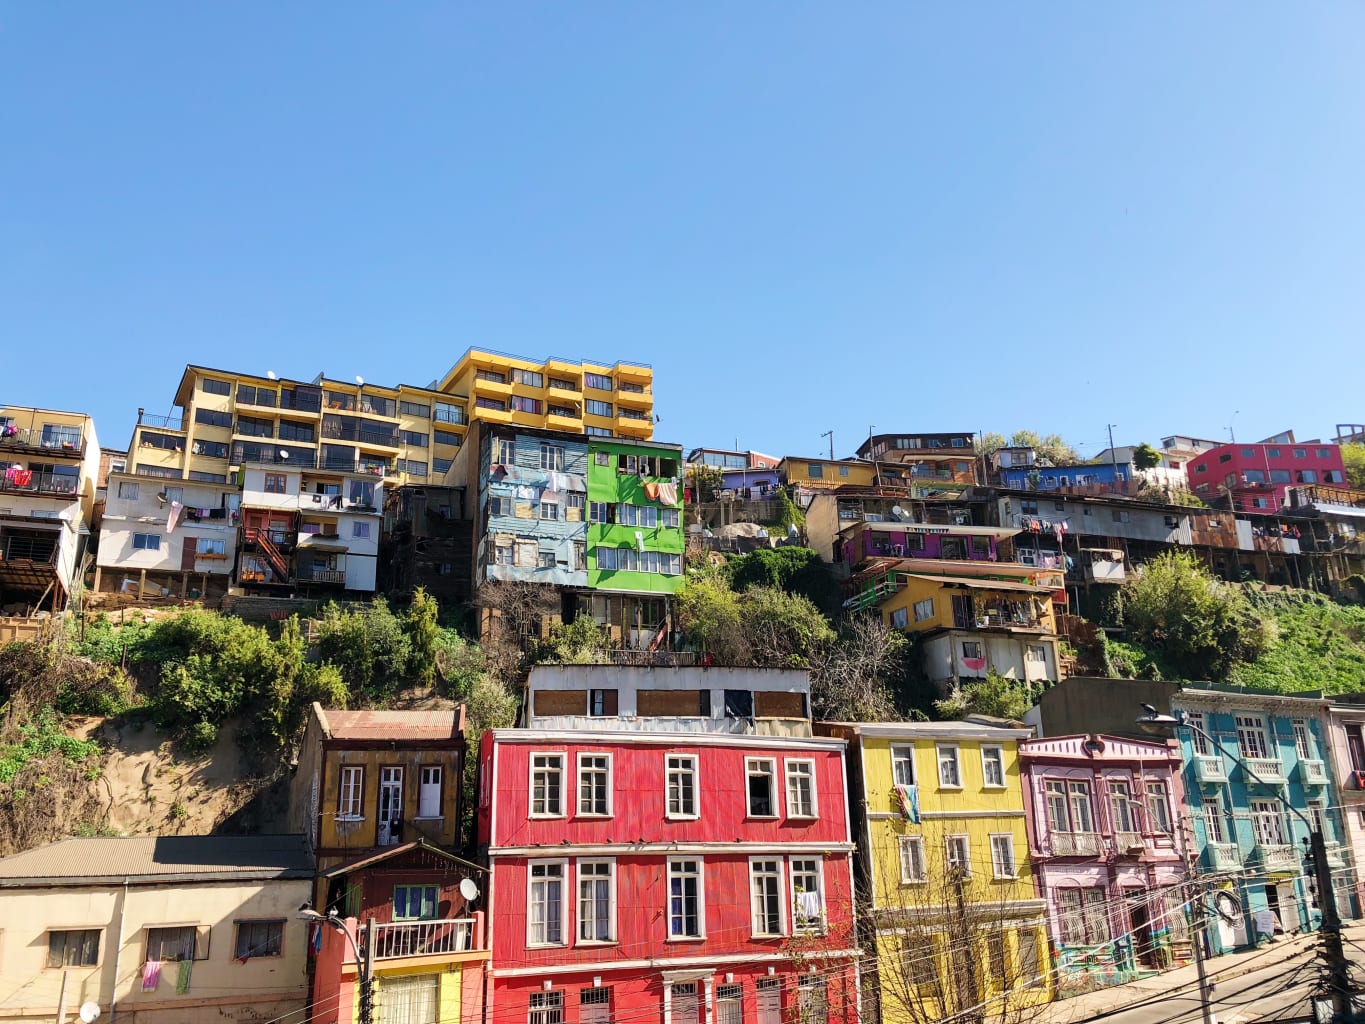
[364, 960]
[1338, 973]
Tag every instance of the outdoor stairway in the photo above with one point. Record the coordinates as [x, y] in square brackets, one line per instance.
[261, 538]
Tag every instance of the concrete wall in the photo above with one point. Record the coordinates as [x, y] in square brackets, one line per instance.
[1098, 705]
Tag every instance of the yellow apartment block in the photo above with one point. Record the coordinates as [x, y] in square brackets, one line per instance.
[557, 394]
[957, 923]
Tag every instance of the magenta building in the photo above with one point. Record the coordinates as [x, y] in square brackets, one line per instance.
[1108, 845]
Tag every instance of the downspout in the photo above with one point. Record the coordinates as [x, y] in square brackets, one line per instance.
[118, 954]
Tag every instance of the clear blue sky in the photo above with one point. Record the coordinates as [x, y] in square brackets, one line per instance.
[806, 217]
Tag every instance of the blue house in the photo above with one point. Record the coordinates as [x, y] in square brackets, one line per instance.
[1096, 475]
[1246, 842]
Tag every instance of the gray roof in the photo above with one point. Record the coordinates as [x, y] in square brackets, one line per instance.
[158, 859]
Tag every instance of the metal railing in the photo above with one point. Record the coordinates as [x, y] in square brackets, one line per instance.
[321, 576]
[21, 548]
[366, 435]
[32, 437]
[1076, 844]
[162, 422]
[40, 483]
[421, 938]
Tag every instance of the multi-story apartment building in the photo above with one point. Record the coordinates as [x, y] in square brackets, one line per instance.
[47, 498]
[945, 460]
[1255, 478]
[598, 519]
[1107, 844]
[668, 844]
[192, 929]
[1346, 722]
[956, 927]
[596, 399]
[1268, 754]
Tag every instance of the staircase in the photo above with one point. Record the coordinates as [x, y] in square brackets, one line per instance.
[261, 538]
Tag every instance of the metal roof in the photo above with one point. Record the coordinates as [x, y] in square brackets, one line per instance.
[430, 724]
[158, 859]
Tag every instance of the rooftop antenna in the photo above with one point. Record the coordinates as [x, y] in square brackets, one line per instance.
[360, 380]
[1232, 438]
[830, 434]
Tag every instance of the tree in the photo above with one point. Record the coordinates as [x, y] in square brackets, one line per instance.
[853, 681]
[783, 630]
[424, 635]
[1146, 457]
[708, 614]
[996, 696]
[1050, 447]
[1354, 457]
[990, 442]
[1202, 626]
[795, 570]
[513, 613]
[581, 642]
[705, 481]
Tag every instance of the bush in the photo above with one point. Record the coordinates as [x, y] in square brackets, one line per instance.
[424, 637]
[995, 695]
[369, 646]
[581, 642]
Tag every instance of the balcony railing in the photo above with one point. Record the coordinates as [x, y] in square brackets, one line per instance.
[321, 576]
[1209, 768]
[1267, 769]
[40, 483]
[32, 437]
[366, 435]
[421, 938]
[1223, 856]
[1076, 844]
[1126, 842]
[19, 547]
[1280, 857]
[1312, 772]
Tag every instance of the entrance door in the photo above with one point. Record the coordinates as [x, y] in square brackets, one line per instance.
[964, 611]
[1289, 907]
[410, 1000]
[1140, 926]
[686, 1007]
[187, 552]
[390, 805]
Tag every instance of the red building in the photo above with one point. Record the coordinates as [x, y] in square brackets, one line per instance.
[1256, 477]
[671, 846]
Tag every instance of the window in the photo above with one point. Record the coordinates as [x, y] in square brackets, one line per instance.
[800, 788]
[765, 886]
[1082, 820]
[482, 402]
[213, 418]
[349, 805]
[924, 609]
[528, 377]
[971, 649]
[899, 618]
[429, 792]
[682, 785]
[146, 542]
[1324, 453]
[411, 467]
[73, 948]
[552, 457]
[1158, 808]
[441, 467]
[208, 478]
[545, 560]
[1058, 818]
[248, 395]
[1121, 805]
[447, 413]
[729, 1004]
[174, 944]
[549, 510]
[637, 515]
[209, 546]
[812, 1003]
[258, 939]
[1002, 856]
[807, 895]
[215, 387]
[127, 489]
[415, 902]
[531, 405]
[597, 381]
[502, 554]
[594, 785]
[545, 904]
[596, 901]
[1195, 719]
[1300, 453]
[993, 766]
[602, 703]
[1035, 654]
[1083, 917]
[949, 769]
[671, 517]
[594, 1005]
[686, 911]
[276, 483]
[1306, 476]
[761, 773]
[600, 512]
[815, 470]
[596, 408]
[546, 1008]
[912, 858]
[1303, 742]
[547, 785]
[414, 409]
[414, 438]
[1251, 736]
[592, 431]
[903, 765]
[360, 530]
[1267, 824]
[959, 853]
[1213, 822]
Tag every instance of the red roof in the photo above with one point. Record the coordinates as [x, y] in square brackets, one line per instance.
[435, 724]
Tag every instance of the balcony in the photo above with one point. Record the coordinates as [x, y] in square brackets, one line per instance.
[641, 373]
[1312, 772]
[629, 396]
[333, 576]
[1076, 844]
[1266, 769]
[32, 439]
[1223, 856]
[422, 938]
[1129, 843]
[1279, 857]
[1209, 769]
[381, 436]
[27, 482]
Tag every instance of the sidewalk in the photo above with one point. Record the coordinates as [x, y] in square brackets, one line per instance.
[1220, 969]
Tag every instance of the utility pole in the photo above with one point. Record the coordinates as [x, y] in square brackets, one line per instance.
[1338, 972]
[1201, 925]
[1113, 456]
[830, 434]
[367, 976]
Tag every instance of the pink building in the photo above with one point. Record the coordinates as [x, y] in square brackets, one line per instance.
[668, 845]
[1107, 841]
[1256, 477]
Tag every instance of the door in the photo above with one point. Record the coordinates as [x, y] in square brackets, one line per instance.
[188, 549]
[686, 1006]
[964, 611]
[1139, 926]
[390, 805]
[1289, 907]
[769, 1000]
[410, 1000]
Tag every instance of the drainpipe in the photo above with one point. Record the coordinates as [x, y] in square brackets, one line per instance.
[118, 954]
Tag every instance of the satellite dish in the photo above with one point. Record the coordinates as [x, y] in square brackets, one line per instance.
[270, 374]
[360, 380]
[89, 1012]
[469, 890]
[898, 513]
[283, 454]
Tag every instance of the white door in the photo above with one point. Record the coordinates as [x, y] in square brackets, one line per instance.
[409, 1000]
[685, 1005]
[1289, 908]
[429, 794]
[390, 805]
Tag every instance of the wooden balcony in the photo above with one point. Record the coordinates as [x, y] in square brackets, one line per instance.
[333, 576]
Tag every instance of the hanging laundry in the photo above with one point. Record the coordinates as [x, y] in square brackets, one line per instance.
[182, 979]
[668, 494]
[151, 975]
[652, 491]
[908, 798]
[23, 477]
[173, 519]
[808, 905]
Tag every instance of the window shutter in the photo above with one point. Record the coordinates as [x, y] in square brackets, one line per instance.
[201, 941]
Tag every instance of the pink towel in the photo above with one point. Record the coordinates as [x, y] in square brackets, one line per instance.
[151, 975]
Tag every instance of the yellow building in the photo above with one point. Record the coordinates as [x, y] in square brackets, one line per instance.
[156, 929]
[557, 394]
[826, 474]
[48, 479]
[944, 864]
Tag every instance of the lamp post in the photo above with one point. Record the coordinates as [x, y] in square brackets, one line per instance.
[364, 960]
[1338, 973]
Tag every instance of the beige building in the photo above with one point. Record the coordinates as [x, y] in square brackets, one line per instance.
[155, 930]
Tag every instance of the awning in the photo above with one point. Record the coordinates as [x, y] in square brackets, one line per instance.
[980, 584]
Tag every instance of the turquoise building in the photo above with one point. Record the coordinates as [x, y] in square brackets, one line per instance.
[1247, 843]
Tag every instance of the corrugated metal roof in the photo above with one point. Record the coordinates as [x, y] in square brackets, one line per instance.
[433, 724]
[159, 858]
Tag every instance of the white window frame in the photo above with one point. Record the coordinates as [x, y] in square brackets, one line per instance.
[545, 1008]
[923, 614]
[343, 800]
[797, 926]
[915, 842]
[996, 873]
[127, 490]
[1158, 794]
[949, 841]
[776, 875]
[1198, 727]
[939, 750]
[1252, 729]
[1214, 830]
[765, 766]
[1303, 740]
[423, 786]
[903, 754]
[532, 769]
[578, 789]
[700, 876]
[999, 751]
[691, 770]
[531, 883]
[596, 862]
[788, 776]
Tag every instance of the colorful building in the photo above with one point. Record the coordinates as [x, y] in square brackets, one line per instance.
[943, 858]
[47, 498]
[1346, 725]
[597, 399]
[943, 459]
[1106, 841]
[1255, 478]
[1270, 752]
[668, 844]
[156, 929]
